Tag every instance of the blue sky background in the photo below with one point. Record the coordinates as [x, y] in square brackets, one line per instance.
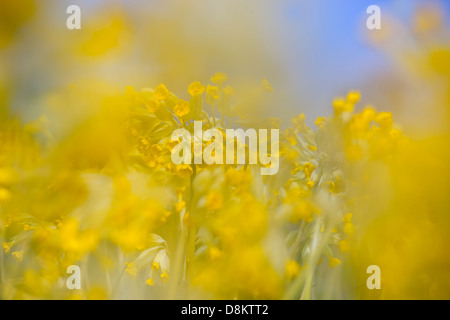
[310, 50]
[336, 57]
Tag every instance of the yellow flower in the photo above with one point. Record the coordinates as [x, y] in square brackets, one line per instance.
[292, 269]
[186, 220]
[179, 206]
[212, 92]
[196, 88]
[214, 200]
[150, 282]
[347, 217]
[164, 277]
[353, 97]
[161, 92]
[7, 246]
[27, 227]
[334, 262]
[349, 228]
[219, 78]
[290, 135]
[353, 152]
[5, 194]
[369, 113]
[336, 186]
[18, 255]
[152, 105]
[340, 105]
[302, 211]
[214, 253]
[131, 269]
[308, 168]
[320, 121]
[184, 170]
[181, 108]
[384, 119]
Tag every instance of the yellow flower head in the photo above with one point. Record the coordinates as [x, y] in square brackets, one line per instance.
[384, 119]
[7, 246]
[308, 168]
[164, 277]
[353, 97]
[181, 108]
[219, 78]
[196, 88]
[152, 105]
[184, 170]
[340, 105]
[292, 269]
[214, 200]
[180, 205]
[320, 122]
[150, 282]
[27, 227]
[347, 217]
[290, 135]
[349, 228]
[131, 269]
[5, 194]
[161, 92]
[214, 253]
[302, 211]
[212, 92]
[18, 255]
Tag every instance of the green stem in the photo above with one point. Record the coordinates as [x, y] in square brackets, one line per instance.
[178, 267]
[191, 230]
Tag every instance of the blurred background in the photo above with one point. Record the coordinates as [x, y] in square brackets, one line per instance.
[310, 51]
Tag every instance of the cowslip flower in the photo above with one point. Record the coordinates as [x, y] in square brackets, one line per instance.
[181, 108]
[219, 78]
[161, 92]
[196, 88]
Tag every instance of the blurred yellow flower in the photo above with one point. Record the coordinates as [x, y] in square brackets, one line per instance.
[292, 269]
[334, 262]
[161, 92]
[219, 78]
[213, 92]
[181, 108]
[196, 88]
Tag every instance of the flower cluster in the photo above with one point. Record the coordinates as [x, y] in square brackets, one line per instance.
[111, 201]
